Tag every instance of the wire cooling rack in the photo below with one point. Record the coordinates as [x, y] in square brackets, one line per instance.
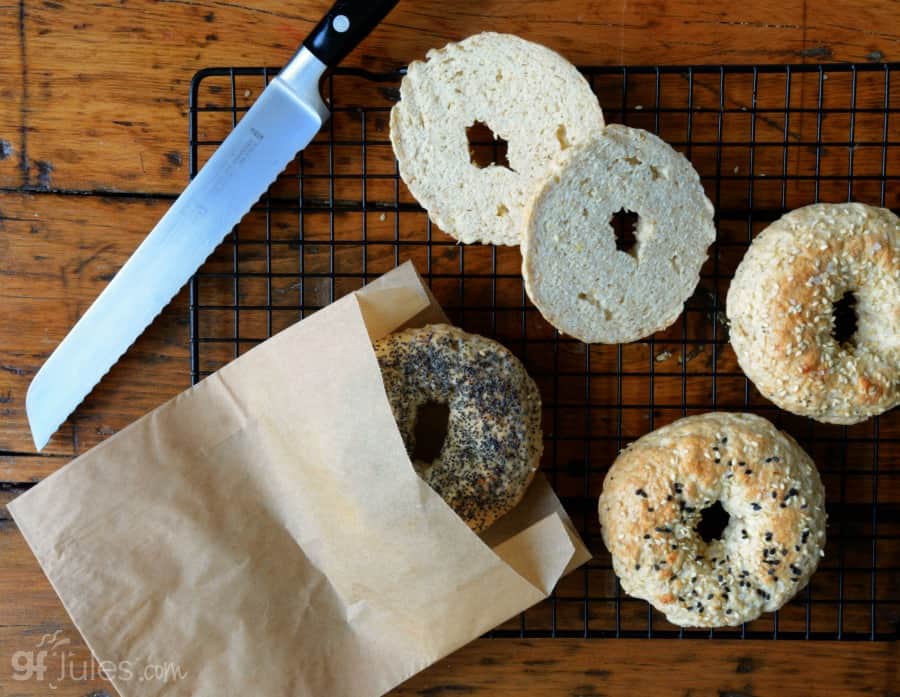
[765, 139]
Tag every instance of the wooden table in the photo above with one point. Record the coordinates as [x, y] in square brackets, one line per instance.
[93, 103]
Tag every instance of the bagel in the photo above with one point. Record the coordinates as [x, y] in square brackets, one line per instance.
[493, 444]
[574, 274]
[528, 95]
[652, 501]
[780, 308]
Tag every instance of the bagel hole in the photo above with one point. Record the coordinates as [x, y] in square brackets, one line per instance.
[624, 224]
[845, 318]
[486, 149]
[432, 419]
[713, 521]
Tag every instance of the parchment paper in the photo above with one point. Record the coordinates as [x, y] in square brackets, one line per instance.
[266, 532]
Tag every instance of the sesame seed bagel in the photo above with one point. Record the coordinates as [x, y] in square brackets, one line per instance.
[528, 95]
[781, 302]
[574, 273]
[651, 504]
[493, 444]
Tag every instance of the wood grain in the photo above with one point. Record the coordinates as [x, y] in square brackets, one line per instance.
[93, 100]
[58, 253]
[11, 90]
[637, 667]
[107, 96]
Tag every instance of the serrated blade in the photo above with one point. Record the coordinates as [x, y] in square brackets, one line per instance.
[283, 121]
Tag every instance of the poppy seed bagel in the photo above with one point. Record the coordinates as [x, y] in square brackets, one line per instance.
[493, 443]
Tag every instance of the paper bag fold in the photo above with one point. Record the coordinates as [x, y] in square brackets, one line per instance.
[265, 530]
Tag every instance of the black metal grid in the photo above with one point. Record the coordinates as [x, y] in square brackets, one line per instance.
[765, 139]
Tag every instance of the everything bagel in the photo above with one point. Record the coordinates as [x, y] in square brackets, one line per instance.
[653, 498]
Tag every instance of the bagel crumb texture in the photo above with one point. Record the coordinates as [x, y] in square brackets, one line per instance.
[494, 442]
[780, 309]
[653, 498]
[575, 274]
[527, 94]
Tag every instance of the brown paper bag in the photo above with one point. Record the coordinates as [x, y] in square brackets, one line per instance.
[265, 530]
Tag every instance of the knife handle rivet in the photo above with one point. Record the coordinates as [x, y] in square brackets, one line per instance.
[340, 24]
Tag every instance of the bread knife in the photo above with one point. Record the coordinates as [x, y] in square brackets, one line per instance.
[284, 119]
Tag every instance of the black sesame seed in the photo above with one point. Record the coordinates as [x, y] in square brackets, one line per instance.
[755, 506]
[804, 537]
[669, 497]
[796, 570]
[710, 596]
[700, 608]
[677, 488]
[774, 495]
[663, 529]
[768, 537]
[699, 557]
[782, 505]
[791, 492]
[724, 440]
[805, 506]
[796, 548]
[742, 464]
[637, 567]
[728, 611]
[650, 509]
[647, 536]
[744, 534]
[774, 458]
[748, 471]
[721, 578]
[641, 492]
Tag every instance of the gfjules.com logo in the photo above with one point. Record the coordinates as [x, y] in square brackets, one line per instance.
[51, 662]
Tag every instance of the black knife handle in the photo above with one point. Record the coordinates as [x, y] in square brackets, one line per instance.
[344, 27]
